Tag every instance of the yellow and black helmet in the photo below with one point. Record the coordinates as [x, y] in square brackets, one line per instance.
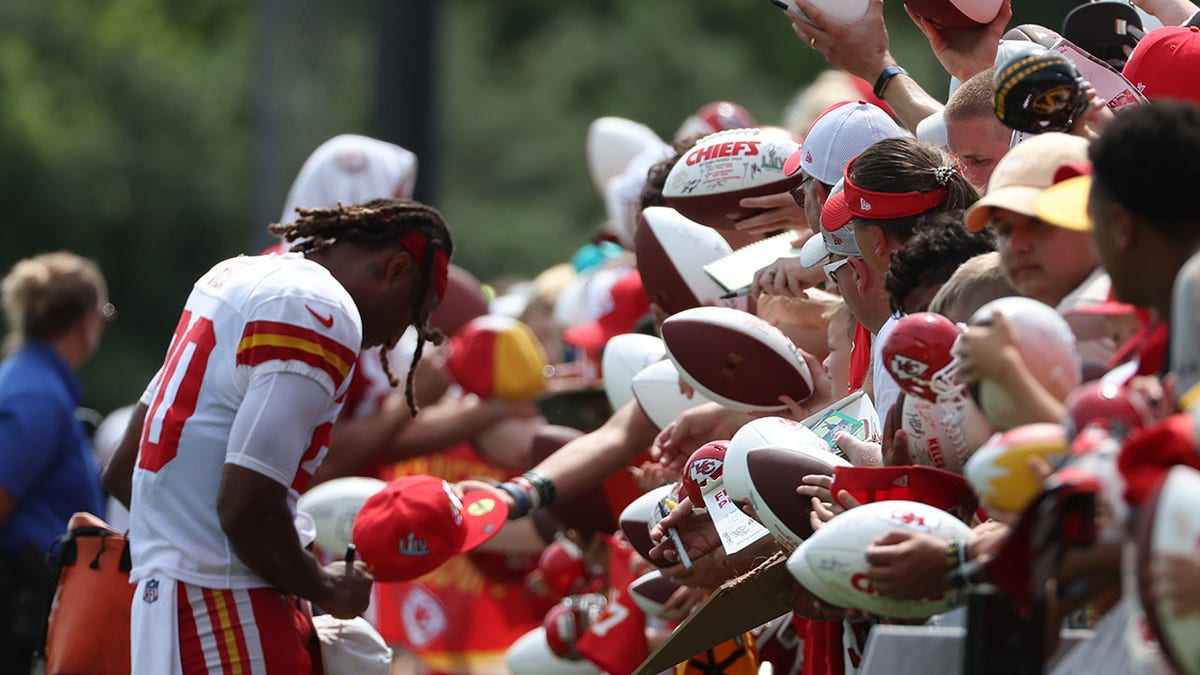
[1036, 93]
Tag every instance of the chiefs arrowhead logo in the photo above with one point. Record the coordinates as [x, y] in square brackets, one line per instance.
[703, 470]
[906, 368]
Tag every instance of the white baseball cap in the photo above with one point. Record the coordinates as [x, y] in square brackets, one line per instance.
[840, 134]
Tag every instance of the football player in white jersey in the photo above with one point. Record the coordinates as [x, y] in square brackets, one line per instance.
[236, 421]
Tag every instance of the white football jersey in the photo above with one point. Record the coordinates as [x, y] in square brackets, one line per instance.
[247, 317]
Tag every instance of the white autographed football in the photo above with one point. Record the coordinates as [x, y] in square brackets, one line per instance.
[708, 181]
[625, 356]
[834, 557]
[736, 358]
[656, 389]
[334, 505]
[671, 254]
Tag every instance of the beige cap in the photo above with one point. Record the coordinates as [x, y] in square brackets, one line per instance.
[1022, 175]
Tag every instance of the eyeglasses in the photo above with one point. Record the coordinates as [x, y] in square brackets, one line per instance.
[832, 268]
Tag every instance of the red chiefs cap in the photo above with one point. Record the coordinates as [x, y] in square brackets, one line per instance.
[416, 523]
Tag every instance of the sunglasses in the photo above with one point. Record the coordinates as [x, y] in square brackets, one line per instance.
[797, 192]
[832, 268]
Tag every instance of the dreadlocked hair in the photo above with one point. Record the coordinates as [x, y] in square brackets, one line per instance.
[376, 222]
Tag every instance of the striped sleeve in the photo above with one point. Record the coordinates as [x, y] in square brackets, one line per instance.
[266, 341]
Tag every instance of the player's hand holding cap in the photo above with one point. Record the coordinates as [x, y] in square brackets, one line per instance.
[417, 523]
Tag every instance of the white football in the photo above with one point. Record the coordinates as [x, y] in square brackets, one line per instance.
[651, 591]
[612, 142]
[942, 435]
[797, 564]
[531, 655]
[635, 521]
[656, 389]
[721, 169]
[1169, 525]
[779, 432]
[1046, 345]
[625, 356]
[836, 559]
[736, 358]
[842, 10]
[999, 471]
[671, 253]
[334, 505]
[766, 473]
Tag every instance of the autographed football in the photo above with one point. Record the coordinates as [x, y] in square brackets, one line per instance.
[531, 655]
[612, 143]
[834, 559]
[651, 591]
[334, 505]
[763, 466]
[625, 356]
[636, 519]
[656, 389]
[1046, 345]
[736, 358]
[943, 435]
[842, 10]
[709, 180]
[671, 254]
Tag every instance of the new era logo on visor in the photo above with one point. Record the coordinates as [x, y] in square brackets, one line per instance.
[864, 204]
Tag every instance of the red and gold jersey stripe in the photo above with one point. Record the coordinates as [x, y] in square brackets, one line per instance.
[264, 341]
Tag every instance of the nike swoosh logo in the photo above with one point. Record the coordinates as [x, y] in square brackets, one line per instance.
[326, 321]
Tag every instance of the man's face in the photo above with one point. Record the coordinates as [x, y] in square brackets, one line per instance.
[814, 198]
[979, 143]
[1042, 261]
[1100, 210]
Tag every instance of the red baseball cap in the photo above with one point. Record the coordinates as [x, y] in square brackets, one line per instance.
[416, 523]
[1164, 64]
[626, 303]
[924, 484]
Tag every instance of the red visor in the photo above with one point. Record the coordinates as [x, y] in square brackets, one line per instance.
[887, 205]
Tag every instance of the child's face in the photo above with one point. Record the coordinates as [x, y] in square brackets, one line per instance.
[838, 361]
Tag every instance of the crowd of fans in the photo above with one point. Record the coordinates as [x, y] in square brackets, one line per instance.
[355, 349]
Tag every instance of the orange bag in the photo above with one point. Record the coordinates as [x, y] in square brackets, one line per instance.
[89, 616]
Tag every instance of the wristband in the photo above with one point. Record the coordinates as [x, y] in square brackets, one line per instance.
[544, 486]
[531, 491]
[521, 499]
[885, 77]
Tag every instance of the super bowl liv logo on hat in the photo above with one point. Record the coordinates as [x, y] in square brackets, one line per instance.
[412, 546]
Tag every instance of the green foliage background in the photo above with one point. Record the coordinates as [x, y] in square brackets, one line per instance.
[148, 134]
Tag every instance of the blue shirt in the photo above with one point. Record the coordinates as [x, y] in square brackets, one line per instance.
[46, 462]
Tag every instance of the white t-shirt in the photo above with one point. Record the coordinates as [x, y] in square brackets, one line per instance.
[886, 391]
[278, 328]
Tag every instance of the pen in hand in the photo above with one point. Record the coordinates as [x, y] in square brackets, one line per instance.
[351, 554]
[741, 292]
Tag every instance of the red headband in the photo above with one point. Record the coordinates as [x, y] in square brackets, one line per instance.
[871, 205]
[415, 243]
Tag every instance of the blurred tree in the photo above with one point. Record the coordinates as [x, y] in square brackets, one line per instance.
[159, 137]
